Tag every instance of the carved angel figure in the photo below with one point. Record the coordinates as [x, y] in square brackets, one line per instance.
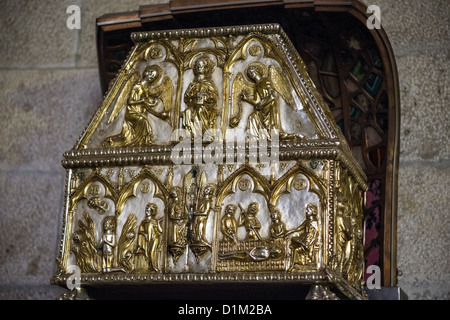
[141, 96]
[98, 204]
[263, 92]
[201, 98]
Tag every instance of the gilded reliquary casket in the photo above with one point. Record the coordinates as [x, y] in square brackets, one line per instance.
[213, 159]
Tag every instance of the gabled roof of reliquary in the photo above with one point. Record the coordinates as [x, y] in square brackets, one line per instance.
[170, 58]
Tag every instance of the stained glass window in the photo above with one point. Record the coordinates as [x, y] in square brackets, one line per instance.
[352, 81]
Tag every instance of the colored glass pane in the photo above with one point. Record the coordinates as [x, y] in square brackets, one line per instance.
[346, 56]
[373, 84]
[375, 57]
[373, 226]
[352, 87]
[374, 192]
[383, 102]
[355, 112]
[355, 131]
[362, 101]
[372, 137]
[313, 48]
[358, 154]
[377, 156]
[329, 75]
[373, 257]
[331, 84]
[382, 121]
[360, 70]
[313, 73]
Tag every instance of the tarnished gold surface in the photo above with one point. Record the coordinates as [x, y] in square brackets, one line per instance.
[156, 192]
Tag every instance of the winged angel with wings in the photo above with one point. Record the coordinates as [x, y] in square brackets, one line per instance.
[263, 92]
[141, 96]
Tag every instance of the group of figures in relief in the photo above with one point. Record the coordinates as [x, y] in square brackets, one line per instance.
[301, 244]
[153, 94]
[141, 248]
[188, 221]
[136, 249]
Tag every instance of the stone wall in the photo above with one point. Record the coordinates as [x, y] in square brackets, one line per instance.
[419, 35]
[49, 89]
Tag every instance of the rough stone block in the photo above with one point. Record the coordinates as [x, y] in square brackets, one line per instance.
[414, 25]
[35, 34]
[42, 292]
[43, 114]
[425, 120]
[423, 230]
[31, 207]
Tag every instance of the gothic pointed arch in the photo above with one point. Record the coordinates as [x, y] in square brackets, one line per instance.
[284, 185]
[130, 189]
[82, 192]
[229, 186]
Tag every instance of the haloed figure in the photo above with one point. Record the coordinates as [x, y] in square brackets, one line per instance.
[178, 224]
[141, 101]
[149, 236]
[201, 99]
[303, 245]
[201, 216]
[277, 228]
[263, 88]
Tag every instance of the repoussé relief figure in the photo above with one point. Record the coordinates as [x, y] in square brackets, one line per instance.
[201, 97]
[149, 237]
[250, 222]
[229, 224]
[302, 245]
[108, 243]
[178, 223]
[141, 98]
[263, 90]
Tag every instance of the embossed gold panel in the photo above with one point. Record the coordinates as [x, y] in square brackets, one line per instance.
[213, 158]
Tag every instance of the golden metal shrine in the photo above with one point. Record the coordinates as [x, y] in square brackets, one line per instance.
[213, 159]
